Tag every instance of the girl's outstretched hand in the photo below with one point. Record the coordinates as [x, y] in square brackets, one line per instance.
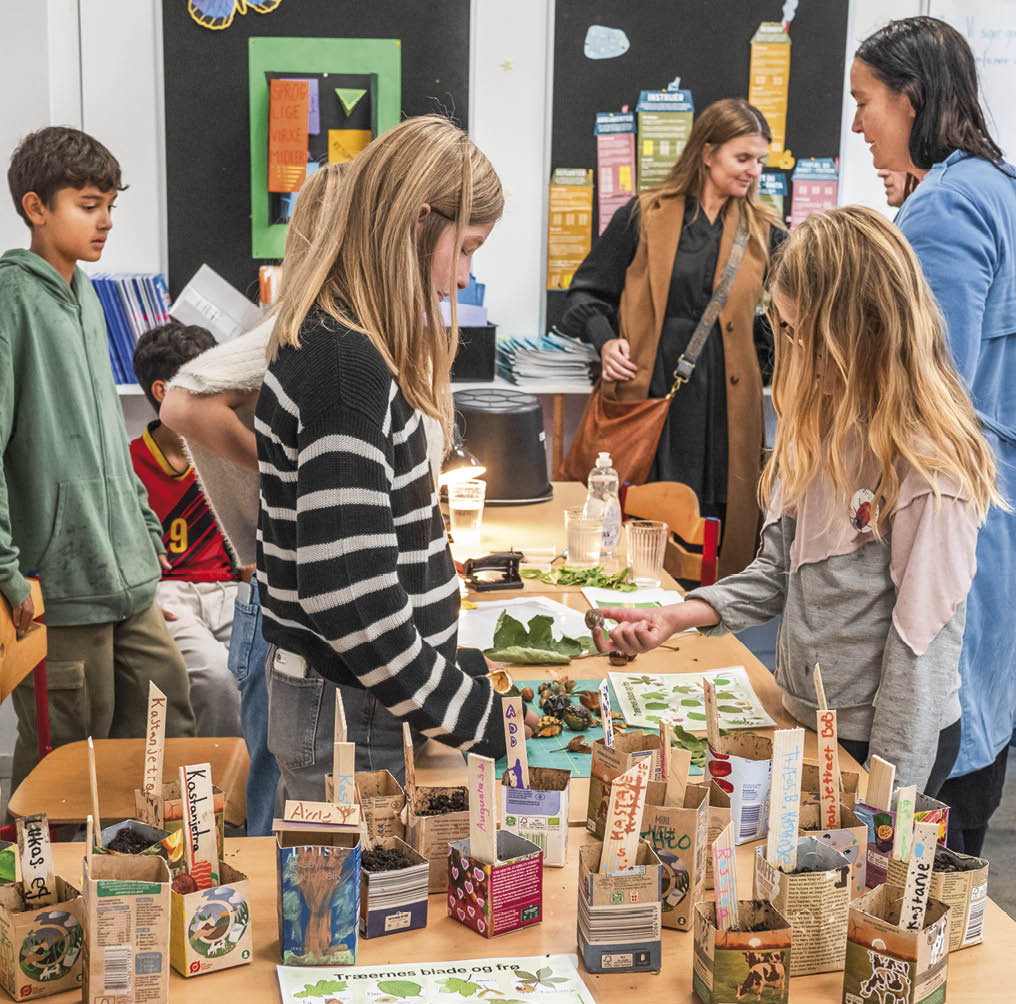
[641, 630]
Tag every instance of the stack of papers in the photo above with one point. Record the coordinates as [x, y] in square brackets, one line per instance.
[553, 359]
[133, 304]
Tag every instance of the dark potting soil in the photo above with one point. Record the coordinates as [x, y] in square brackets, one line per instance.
[440, 804]
[128, 842]
[944, 863]
[383, 859]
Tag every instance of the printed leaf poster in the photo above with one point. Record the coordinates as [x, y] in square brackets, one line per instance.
[543, 979]
[646, 700]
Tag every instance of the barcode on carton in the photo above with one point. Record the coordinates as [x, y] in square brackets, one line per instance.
[975, 919]
[116, 968]
[750, 815]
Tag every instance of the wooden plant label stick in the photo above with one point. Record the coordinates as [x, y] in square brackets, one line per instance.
[785, 799]
[605, 712]
[881, 775]
[155, 742]
[515, 741]
[624, 817]
[482, 812]
[407, 753]
[823, 704]
[36, 861]
[94, 785]
[321, 812]
[344, 773]
[828, 769]
[677, 780]
[89, 841]
[915, 892]
[903, 837]
[665, 733]
[340, 718]
[725, 879]
[201, 853]
[712, 715]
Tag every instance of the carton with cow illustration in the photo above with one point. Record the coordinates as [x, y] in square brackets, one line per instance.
[751, 963]
[881, 824]
[887, 964]
[610, 762]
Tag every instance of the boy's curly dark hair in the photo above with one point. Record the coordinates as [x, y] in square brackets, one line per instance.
[60, 157]
[163, 350]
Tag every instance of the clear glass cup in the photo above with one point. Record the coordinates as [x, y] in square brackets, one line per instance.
[465, 509]
[647, 544]
[584, 534]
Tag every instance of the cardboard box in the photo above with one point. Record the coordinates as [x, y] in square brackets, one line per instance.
[620, 913]
[964, 892]
[610, 762]
[164, 811]
[810, 784]
[496, 898]
[815, 902]
[850, 838]
[742, 766]
[745, 964]
[680, 837]
[431, 835]
[540, 812]
[40, 946]
[719, 816]
[126, 901]
[395, 901]
[382, 800]
[881, 825]
[319, 895]
[210, 929]
[887, 964]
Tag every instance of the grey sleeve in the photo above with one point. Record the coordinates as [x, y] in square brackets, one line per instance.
[757, 594]
[918, 697]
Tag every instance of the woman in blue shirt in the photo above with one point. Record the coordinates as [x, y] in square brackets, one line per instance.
[915, 84]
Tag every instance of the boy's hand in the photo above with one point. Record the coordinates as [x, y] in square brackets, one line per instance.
[164, 563]
[168, 615]
[23, 615]
[640, 631]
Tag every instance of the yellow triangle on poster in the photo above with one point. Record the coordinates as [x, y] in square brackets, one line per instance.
[349, 97]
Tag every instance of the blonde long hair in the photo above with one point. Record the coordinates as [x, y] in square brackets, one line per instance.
[369, 264]
[721, 122]
[867, 357]
[316, 201]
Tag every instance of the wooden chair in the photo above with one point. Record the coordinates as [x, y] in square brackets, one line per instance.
[677, 505]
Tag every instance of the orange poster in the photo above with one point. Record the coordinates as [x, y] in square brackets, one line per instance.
[287, 134]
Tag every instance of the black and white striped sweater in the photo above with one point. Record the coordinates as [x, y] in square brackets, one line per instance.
[357, 574]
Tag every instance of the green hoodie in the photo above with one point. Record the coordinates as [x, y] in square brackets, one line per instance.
[72, 510]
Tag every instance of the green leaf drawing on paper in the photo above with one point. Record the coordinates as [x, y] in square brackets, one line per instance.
[657, 705]
[525, 977]
[727, 696]
[322, 988]
[655, 695]
[691, 702]
[400, 988]
[728, 709]
[697, 715]
[453, 985]
[720, 681]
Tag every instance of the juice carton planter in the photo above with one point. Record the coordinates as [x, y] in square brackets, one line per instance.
[964, 892]
[431, 835]
[40, 946]
[382, 799]
[126, 899]
[610, 762]
[746, 964]
[7, 851]
[498, 898]
[319, 896]
[152, 834]
[540, 812]
[210, 928]
[395, 901]
[815, 902]
[679, 835]
[742, 766]
[881, 824]
[719, 816]
[811, 782]
[607, 943]
[164, 810]
[850, 838]
[887, 964]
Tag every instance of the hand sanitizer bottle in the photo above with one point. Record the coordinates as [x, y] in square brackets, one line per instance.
[603, 498]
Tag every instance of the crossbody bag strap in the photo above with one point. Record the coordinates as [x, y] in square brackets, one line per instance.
[688, 359]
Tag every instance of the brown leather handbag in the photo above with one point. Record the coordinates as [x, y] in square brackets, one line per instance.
[630, 430]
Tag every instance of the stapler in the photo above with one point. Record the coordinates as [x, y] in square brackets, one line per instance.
[493, 571]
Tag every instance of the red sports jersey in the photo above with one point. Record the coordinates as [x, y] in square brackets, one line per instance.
[194, 543]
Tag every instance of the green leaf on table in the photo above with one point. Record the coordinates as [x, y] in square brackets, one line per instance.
[534, 644]
[540, 633]
[509, 631]
[520, 655]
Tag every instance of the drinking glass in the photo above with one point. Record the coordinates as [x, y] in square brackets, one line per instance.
[465, 508]
[584, 534]
[647, 542]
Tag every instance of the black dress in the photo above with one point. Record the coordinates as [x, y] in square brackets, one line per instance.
[693, 444]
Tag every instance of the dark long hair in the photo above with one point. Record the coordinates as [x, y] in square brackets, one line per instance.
[931, 63]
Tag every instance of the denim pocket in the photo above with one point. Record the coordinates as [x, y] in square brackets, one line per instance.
[246, 625]
[294, 707]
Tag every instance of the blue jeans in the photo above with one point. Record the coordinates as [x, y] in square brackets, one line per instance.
[248, 651]
[301, 729]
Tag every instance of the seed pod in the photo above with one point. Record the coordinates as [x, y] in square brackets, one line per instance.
[577, 718]
[546, 727]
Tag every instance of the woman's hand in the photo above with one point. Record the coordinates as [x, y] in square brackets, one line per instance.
[616, 358]
[641, 631]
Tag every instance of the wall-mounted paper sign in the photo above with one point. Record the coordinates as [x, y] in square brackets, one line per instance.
[569, 225]
[769, 78]
[288, 111]
[665, 119]
[345, 144]
[815, 183]
[773, 191]
[615, 163]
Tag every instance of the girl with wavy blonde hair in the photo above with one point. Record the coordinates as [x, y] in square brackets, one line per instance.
[876, 487]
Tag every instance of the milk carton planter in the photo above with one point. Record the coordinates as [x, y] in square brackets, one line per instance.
[40, 946]
[881, 824]
[382, 800]
[126, 900]
[610, 762]
[719, 816]
[145, 833]
[815, 901]
[886, 963]
[7, 873]
[619, 913]
[319, 895]
[749, 964]
[742, 766]
[164, 810]
[210, 929]
[496, 898]
[394, 901]
[850, 838]
[540, 812]
[430, 835]
[961, 882]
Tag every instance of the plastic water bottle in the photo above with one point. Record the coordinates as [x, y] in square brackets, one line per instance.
[603, 498]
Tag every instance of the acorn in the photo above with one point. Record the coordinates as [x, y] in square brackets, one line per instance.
[577, 718]
[546, 727]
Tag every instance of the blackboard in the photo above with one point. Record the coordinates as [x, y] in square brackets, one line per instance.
[207, 121]
[707, 44]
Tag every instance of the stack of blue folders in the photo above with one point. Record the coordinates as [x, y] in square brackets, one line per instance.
[133, 304]
[554, 360]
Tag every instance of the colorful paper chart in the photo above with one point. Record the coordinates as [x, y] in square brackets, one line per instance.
[287, 134]
[536, 979]
[645, 700]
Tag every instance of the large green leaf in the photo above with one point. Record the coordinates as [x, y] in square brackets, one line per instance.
[519, 655]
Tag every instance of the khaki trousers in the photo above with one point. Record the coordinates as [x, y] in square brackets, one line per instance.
[97, 677]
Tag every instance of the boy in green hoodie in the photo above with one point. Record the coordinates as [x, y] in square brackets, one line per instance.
[72, 511]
